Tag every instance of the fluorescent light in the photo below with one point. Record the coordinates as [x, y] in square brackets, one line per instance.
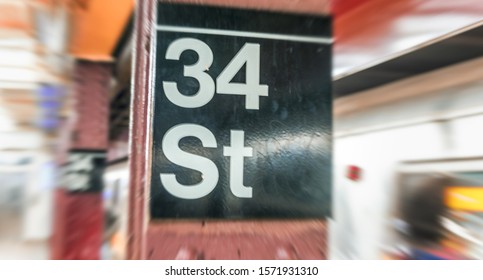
[18, 85]
[18, 58]
[6, 124]
[29, 75]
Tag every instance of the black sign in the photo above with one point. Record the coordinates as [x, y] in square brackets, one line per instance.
[242, 120]
[83, 171]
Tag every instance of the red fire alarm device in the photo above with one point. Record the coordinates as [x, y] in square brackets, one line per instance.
[354, 172]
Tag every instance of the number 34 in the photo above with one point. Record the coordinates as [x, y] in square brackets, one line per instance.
[249, 55]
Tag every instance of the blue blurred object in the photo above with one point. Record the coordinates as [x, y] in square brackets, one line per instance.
[49, 123]
[50, 92]
[50, 103]
[418, 254]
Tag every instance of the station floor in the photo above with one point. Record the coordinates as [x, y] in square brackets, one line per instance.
[12, 245]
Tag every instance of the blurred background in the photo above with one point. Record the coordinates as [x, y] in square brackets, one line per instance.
[408, 127]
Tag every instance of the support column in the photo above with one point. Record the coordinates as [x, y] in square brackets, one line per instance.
[200, 239]
[78, 219]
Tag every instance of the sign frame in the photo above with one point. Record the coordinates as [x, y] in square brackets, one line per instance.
[140, 143]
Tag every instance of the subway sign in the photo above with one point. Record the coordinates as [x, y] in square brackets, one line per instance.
[241, 114]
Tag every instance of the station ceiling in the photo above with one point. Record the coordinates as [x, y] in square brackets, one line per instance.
[381, 41]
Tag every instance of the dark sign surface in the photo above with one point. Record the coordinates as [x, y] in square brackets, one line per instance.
[83, 171]
[242, 114]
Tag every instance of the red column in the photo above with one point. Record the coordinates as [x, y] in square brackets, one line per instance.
[78, 218]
